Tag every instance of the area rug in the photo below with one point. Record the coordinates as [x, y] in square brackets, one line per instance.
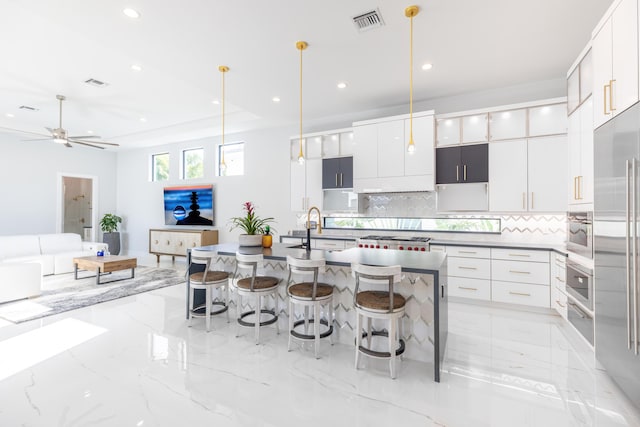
[63, 293]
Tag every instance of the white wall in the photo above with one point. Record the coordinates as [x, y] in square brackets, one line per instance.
[265, 183]
[29, 171]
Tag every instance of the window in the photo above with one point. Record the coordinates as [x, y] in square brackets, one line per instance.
[193, 163]
[233, 158]
[160, 167]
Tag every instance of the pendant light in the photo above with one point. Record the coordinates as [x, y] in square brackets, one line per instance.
[410, 12]
[301, 46]
[223, 166]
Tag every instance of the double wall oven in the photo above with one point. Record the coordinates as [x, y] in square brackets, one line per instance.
[579, 280]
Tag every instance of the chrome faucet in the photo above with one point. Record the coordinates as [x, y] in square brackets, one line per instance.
[319, 227]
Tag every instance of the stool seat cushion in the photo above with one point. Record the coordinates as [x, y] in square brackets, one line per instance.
[261, 282]
[378, 300]
[212, 276]
[305, 290]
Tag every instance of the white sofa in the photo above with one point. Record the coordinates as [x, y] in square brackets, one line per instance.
[24, 259]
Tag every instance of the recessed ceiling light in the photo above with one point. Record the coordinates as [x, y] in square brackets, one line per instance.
[136, 67]
[342, 85]
[275, 99]
[90, 132]
[10, 115]
[427, 66]
[131, 13]
[215, 101]
[143, 120]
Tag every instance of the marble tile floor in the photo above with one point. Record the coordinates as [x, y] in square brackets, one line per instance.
[135, 362]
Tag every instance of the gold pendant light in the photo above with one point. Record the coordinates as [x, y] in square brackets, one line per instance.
[301, 46]
[223, 166]
[410, 12]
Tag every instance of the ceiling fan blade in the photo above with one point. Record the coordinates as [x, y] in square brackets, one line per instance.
[84, 136]
[84, 143]
[94, 142]
[23, 131]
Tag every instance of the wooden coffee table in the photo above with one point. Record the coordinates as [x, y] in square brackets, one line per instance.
[104, 264]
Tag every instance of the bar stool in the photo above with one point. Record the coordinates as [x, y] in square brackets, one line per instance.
[309, 295]
[385, 305]
[258, 287]
[208, 280]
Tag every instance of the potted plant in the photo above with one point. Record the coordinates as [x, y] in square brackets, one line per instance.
[111, 236]
[251, 224]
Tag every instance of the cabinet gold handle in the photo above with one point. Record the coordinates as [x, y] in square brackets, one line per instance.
[604, 100]
[522, 255]
[467, 252]
[468, 289]
[523, 200]
[579, 187]
[520, 293]
[560, 304]
[519, 272]
[611, 108]
[532, 202]
[575, 192]
[336, 180]
[464, 173]
[467, 268]
[457, 173]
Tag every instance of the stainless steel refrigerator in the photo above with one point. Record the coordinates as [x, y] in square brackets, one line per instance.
[616, 228]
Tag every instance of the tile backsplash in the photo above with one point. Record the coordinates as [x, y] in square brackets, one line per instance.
[522, 227]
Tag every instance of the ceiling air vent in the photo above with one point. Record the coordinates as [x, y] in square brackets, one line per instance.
[368, 21]
[26, 107]
[97, 83]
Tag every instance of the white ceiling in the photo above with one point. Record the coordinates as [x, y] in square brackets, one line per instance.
[51, 47]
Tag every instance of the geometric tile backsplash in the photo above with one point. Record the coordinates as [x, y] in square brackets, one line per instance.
[549, 228]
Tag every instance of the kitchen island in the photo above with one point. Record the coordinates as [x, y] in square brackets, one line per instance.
[425, 323]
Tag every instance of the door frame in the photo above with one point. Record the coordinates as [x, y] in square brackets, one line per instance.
[60, 201]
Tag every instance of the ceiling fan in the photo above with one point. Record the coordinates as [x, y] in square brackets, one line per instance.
[59, 134]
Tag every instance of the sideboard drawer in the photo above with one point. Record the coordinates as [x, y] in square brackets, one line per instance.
[468, 252]
[520, 255]
[469, 267]
[470, 288]
[520, 293]
[521, 272]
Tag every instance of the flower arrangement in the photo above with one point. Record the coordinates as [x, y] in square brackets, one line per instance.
[250, 223]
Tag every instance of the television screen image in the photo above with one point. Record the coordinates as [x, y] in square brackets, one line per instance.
[188, 205]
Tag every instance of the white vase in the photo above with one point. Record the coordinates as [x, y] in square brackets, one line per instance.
[250, 240]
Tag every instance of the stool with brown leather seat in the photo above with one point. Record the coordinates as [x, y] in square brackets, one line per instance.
[208, 280]
[378, 304]
[258, 287]
[309, 295]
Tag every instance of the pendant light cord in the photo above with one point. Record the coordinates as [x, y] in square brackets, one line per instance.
[411, 83]
[301, 154]
[223, 69]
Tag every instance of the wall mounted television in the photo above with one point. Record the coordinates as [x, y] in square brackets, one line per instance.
[189, 205]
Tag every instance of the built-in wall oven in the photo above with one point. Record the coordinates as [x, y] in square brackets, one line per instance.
[580, 299]
[580, 233]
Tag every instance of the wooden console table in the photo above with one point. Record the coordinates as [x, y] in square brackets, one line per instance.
[175, 242]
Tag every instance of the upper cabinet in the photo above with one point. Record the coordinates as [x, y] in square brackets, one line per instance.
[337, 173]
[508, 124]
[580, 81]
[462, 164]
[615, 61]
[381, 162]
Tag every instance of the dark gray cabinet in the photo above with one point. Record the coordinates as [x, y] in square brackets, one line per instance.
[337, 173]
[462, 164]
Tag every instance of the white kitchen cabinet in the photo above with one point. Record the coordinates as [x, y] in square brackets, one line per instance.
[520, 293]
[306, 184]
[580, 155]
[391, 148]
[510, 124]
[448, 131]
[469, 272]
[365, 151]
[508, 176]
[586, 76]
[475, 128]
[573, 90]
[548, 120]
[381, 161]
[615, 61]
[558, 288]
[546, 171]
[520, 277]
[526, 175]
[422, 162]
